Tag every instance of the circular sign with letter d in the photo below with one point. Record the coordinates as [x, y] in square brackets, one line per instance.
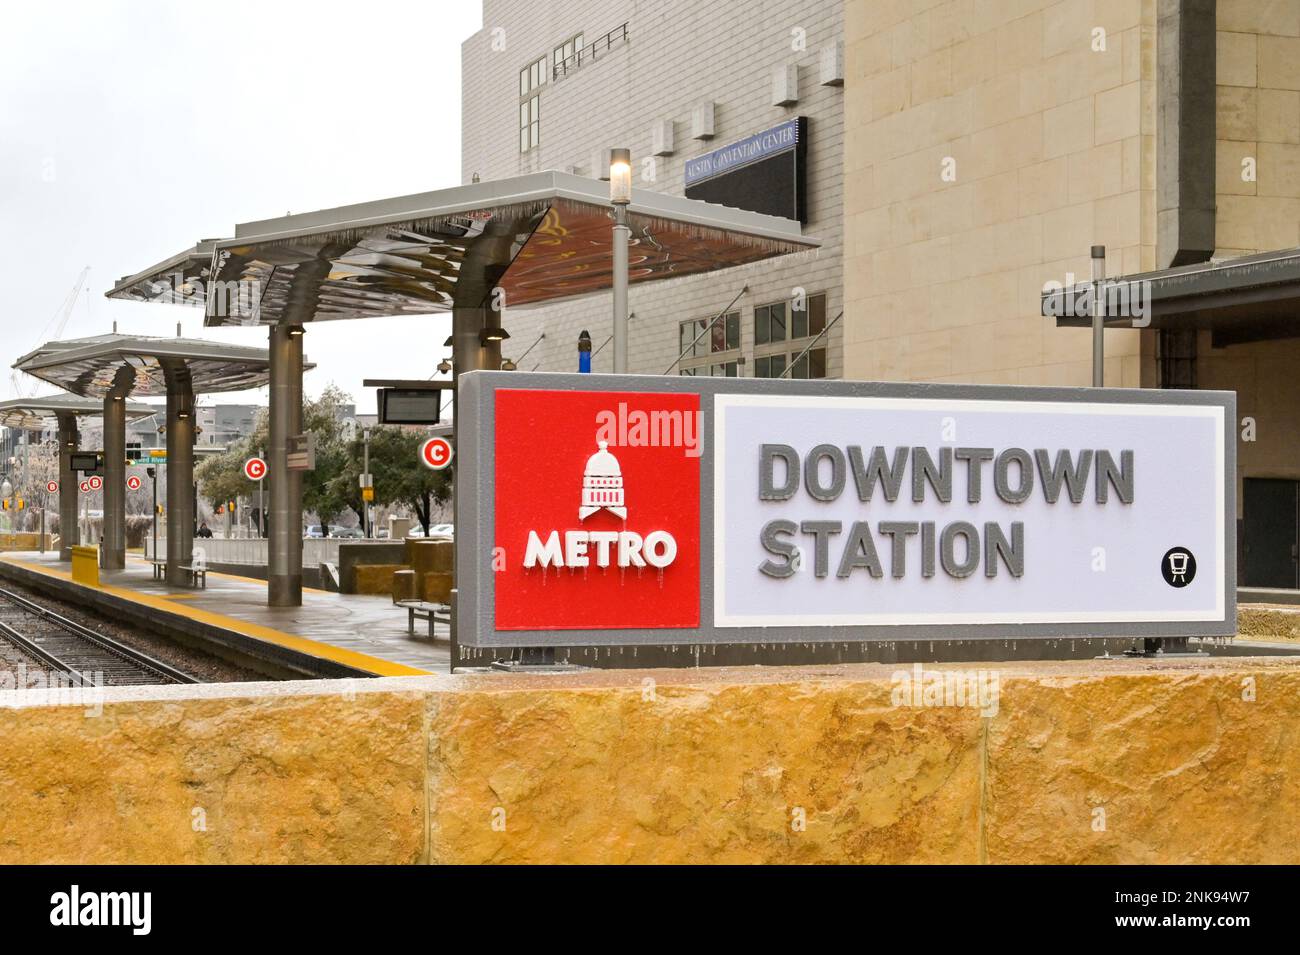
[436, 453]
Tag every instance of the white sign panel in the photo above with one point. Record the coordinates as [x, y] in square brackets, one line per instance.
[845, 511]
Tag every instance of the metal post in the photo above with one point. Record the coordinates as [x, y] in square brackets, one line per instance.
[466, 355]
[284, 547]
[365, 469]
[261, 499]
[622, 235]
[153, 481]
[68, 529]
[180, 476]
[1098, 316]
[114, 556]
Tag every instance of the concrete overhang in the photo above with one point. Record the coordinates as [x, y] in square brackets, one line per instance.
[539, 237]
[138, 365]
[33, 414]
[1250, 298]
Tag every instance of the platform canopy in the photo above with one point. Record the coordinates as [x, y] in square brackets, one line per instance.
[33, 414]
[1247, 298]
[137, 365]
[539, 237]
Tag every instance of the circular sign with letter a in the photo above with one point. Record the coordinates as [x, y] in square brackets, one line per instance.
[435, 453]
[85, 487]
[52, 486]
[133, 483]
[255, 469]
[96, 483]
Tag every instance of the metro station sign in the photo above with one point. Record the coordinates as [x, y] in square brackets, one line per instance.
[651, 510]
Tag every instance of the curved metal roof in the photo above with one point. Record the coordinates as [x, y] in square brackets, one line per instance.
[33, 414]
[137, 365]
[539, 237]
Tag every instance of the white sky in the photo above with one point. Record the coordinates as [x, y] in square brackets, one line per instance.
[129, 130]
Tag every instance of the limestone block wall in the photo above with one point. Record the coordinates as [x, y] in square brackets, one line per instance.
[1081, 762]
[1257, 168]
[987, 147]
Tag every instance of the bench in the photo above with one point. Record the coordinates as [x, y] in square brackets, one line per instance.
[159, 567]
[439, 613]
[198, 575]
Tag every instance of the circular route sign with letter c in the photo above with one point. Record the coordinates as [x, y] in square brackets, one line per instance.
[255, 469]
[96, 483]
[436, 453]
[133, 483]
[52, 486]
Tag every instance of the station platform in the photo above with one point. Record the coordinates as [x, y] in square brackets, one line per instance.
[331, 634]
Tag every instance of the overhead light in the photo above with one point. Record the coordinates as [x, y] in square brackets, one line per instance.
[620, 176]
[444, 367]
[295, 331]
[488, 335]
[508, 365]
[447, 343]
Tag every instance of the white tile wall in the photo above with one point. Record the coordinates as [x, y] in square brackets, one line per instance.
[678, 54]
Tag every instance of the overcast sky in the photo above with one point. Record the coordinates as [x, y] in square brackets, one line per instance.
[129, 130]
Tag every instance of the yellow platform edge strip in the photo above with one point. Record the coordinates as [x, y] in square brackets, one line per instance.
[315, 648]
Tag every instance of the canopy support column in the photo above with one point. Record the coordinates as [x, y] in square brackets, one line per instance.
[69, 531]
[114, 552]
[284, 546]
[180, 474]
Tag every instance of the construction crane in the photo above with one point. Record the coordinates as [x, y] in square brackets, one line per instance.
[25, 387]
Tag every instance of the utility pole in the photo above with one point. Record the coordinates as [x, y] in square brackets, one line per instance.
[367, 486]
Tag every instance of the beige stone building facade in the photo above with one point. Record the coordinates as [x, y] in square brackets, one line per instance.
[990, 143]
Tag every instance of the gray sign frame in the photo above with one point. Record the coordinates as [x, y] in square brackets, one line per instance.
[475, 517]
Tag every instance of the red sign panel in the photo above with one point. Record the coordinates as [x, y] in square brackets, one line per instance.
[597, 510]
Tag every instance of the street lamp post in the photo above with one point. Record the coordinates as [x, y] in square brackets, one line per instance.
[620, 195]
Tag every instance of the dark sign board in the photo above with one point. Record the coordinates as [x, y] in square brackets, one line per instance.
[87, 462]
[409, 406]
[762, 173]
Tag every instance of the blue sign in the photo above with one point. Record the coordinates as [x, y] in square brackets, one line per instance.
[769, 142]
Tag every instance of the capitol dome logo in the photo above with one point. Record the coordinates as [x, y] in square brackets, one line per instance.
[602, 485]
[602, 490]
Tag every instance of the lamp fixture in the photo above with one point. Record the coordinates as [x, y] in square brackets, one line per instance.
[620, 176]
[489, 335]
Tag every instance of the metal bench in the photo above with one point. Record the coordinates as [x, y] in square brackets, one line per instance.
[159, 567]
[198, 575]
[434, 613]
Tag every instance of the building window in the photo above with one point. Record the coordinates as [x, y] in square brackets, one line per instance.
[782, 332]
[716, 353]
[531, 78]
[567, 56]
[811, 365]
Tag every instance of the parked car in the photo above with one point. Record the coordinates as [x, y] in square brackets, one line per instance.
[349, 532]
[442, 530]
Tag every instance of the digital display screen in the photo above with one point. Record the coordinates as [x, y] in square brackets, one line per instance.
[409, 406]
[85, 461]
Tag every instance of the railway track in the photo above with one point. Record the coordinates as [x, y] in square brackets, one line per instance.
[78, 652]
